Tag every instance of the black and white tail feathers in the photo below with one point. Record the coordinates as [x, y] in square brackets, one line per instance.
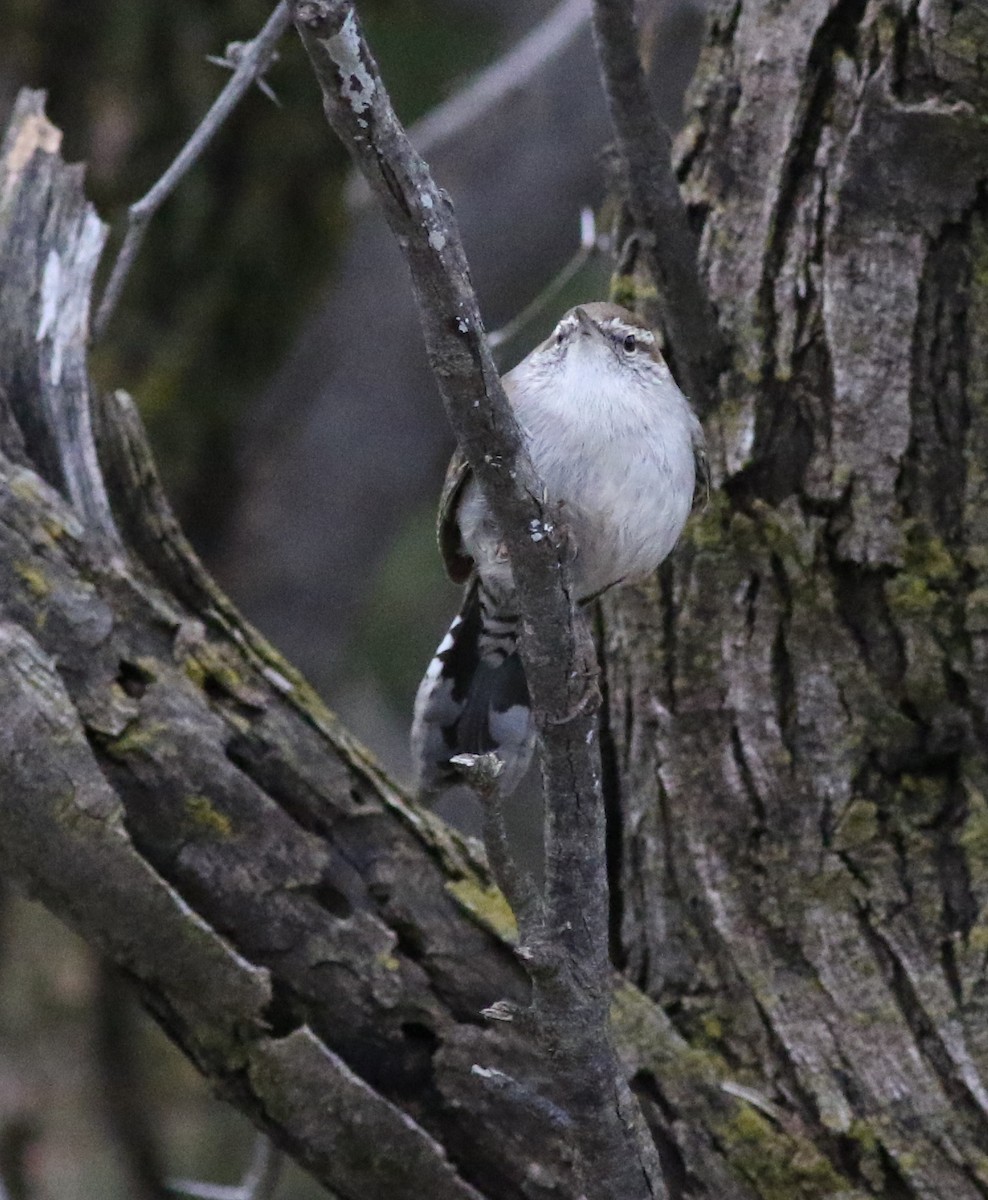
[474, 698]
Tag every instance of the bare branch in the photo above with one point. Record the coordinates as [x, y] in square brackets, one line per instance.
[232, 57]
[253, 61]
[572, 1004]
[656, 204]
[481, 772]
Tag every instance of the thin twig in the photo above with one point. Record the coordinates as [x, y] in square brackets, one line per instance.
[660, 217]
[481, 772]
[572, 1004]
[589, 246]
[514, 71]
[252, 64]
[232, 57]
[259, 1182]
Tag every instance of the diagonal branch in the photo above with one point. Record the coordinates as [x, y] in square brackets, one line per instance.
[251, 65]
[572, 986]
[657, 208]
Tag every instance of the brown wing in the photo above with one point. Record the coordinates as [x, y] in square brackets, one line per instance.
[458, 563]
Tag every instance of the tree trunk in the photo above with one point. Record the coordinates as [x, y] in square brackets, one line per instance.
[800, 845]
[797, 708]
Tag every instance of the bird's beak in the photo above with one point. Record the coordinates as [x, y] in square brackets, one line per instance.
[587, 327]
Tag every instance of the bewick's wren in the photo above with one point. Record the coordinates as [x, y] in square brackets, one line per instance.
[620, 452]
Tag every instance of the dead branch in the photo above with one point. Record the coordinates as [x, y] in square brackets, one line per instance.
[253, 60]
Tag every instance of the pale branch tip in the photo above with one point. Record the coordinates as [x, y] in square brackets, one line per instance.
[259, 1182]
[590, 244]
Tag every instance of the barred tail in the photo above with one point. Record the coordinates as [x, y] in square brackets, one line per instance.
[474, 698]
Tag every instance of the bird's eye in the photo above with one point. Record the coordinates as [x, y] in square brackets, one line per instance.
[560, 337]
[631, 343]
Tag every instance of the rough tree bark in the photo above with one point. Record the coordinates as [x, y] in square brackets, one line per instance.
[172, 788]
[797, 708]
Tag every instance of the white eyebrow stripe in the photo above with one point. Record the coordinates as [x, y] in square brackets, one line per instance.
[622, 327]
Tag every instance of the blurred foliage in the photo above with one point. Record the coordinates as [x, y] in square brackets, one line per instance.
[236, 257]
[402, 601]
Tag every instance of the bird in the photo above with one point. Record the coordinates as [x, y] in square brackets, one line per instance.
[622, 458]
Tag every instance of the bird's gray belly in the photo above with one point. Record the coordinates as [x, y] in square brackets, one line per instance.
[623, 525]
[625, 510]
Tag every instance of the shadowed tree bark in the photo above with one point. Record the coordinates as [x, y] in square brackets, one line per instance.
[800, 834]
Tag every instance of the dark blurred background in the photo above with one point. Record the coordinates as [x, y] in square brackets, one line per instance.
[269, 336]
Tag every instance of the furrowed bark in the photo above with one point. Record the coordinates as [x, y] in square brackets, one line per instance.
[798, 708]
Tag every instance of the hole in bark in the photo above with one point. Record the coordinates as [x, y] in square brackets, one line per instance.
[280, 1017]
[379, 891]
[409, 1070]
[133, 679]
[409, 941]
[329, 897]
[417, 1034]
[215, 690]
